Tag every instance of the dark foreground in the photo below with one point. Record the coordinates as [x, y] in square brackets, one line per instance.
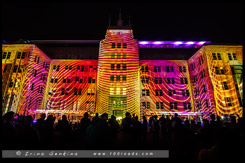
[217, 139]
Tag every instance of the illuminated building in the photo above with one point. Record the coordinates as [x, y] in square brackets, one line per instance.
[120, 74]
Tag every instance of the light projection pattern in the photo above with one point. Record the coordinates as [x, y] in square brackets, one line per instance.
[225, 93]
[165, 86]
[201, 85]
[15, 60]
[77, 78]
[35, 81]
[126, 92]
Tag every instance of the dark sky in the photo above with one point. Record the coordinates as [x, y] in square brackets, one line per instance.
[216, 22]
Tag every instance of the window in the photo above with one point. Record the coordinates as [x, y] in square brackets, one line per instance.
[214, 56]
[161, 104]
[118, 78]
[93, 81]
[160, 80]
[58, 68]
[174, 91]
[18, 55]
[70, 67]
[118, 45]
[118, 55]
[147, 92]
[172, 68]
[193, 66]
[186, 81]
[75, 91]
[204, 88]
[81, 81]
[155, 68]
[67, 90]
[199, 59]
[157, 105]
[66, 68]
[147, 80]
[9, 54]
[79, 91]
[170, 92]
[124, 78]
[180, 69]
[112, 66]
[124, 45]
[23, 55]
[183, 92]
[171, 105]
[234, 56]
[161, 92]
[112, 55]
[146, 68]
[229, 56]
[117, 91]
[189, 105]
[32, 86]
[143, 105]
[207, 103]
[64, 80]
[111, 91]
[143, 92]
[124, 55]
[159, 68]
[228, 100]
[175, 105]
[89, 79]
[4, 55]
[124, 91]
[219, 56]
[124, 67]
[77, 78]
[142, 69]
[15, 68]
[56, 79]
[222, 71]
[113, 45]
[225, 85]
[185, 106]
[187, 93]
[168, 81]
[181, 80]
[173, 81]
[217, 70]
[156, 80]
[148, 105]
[184, 68]
[112, 78]
[156, 91]
[167, 68]
[89, 91]
[142, 80]
[118, 66]
[82, 68]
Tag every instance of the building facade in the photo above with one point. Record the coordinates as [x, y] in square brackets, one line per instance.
[140, 77]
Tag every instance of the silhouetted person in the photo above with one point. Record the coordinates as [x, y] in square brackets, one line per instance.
[102, 130]
[156, 127]
[40, 126]
[144, 128]
[49, 130]
[95, 119]
[85, 122]
[136, 129]
[8, 131]
[162, 121]
[127, 123]
[114, 125]
[28, 136]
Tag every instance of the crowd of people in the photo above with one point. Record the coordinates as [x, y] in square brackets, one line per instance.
[213, 139]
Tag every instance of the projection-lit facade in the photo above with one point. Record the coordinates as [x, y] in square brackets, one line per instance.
[123, 78]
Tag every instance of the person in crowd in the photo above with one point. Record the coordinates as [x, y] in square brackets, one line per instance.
[162, 121]
[114, 125]
[84, 123]
[127, 123]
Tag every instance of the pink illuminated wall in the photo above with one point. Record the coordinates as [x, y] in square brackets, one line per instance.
[172, 85]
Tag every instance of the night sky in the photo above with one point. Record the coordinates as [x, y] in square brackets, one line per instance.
[216, 22]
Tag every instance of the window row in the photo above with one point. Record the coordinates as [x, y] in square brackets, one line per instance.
[113, 45]
[197, 92]
[172, 105]
[167, 68]
[118, 67]
[217, 56]
[77, 79]
[82, 68]
[159, 92]
[198, 104]
[118, 91]
[6, 55]
[118, 56]
[65, 91]
[118, 78]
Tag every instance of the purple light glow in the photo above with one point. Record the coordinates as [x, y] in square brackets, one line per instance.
[190, 42]
[201, 42]
[178, 42]
[143, 42]
[157, 42]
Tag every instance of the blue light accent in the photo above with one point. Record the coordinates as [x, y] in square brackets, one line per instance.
[28, 41]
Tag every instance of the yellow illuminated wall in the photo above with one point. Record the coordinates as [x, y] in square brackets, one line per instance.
[118, 88]
[222, 92]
